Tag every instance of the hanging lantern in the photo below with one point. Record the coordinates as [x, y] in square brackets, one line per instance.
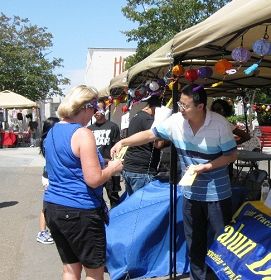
[125, 108]
[205, 72]
[107, 103]
[191, 75]
[154, 86]
[240, 54]
[139, 93]
[116, 102]
[262, 47]
[178, 70]
[222, 66]
[131, 92]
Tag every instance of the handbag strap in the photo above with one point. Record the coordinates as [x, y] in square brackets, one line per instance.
[100, 198]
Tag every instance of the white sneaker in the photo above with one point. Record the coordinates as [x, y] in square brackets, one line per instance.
[44, 237]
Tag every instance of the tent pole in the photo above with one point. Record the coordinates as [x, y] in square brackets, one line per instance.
[173, 195]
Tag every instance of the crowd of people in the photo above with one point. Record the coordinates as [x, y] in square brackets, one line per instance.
[81, 160]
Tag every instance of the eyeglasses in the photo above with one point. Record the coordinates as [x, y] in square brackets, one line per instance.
[183, 106]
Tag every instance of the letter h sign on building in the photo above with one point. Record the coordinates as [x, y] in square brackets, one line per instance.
[243, 250]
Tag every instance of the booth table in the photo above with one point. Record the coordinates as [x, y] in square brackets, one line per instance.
[12, 139]
[254, 157]
[8, 138]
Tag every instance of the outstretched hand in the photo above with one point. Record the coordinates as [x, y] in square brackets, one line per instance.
[115, 149]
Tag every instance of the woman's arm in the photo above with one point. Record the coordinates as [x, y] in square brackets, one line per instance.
[84, 146]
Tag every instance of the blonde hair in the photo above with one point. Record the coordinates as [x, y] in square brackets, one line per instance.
[75, 100]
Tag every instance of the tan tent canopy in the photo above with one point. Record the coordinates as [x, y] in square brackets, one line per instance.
[9, 99]
[104, 92]
[118, 83]
[213, 39]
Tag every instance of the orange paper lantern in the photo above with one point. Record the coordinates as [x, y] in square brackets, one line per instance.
[222, 66]
[178, 70]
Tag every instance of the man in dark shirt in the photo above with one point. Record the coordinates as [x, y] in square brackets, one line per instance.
[140, 162]
[107, 134]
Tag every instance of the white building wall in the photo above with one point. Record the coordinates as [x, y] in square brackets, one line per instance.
[103, 64]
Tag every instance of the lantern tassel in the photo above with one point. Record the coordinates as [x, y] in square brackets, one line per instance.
[251, 69]
[217, 84]
[169, 102]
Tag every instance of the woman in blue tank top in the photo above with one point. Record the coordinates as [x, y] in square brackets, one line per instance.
[73, 202]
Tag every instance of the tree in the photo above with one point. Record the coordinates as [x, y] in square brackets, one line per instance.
[24, 66]
[159, 20]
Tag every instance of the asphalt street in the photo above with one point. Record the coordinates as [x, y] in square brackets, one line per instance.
[21, 256]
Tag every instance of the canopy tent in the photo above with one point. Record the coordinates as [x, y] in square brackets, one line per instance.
[104, 92]
[118, 83]
[9, 99]
[213, 39]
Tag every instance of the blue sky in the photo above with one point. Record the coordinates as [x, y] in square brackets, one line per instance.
[76, 26]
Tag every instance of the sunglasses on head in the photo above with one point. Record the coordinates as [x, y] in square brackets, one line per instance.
[92, 105]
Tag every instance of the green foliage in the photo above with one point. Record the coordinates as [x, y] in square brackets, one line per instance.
[234, 119]
[262, 95]
[24, 67]
[159, 20]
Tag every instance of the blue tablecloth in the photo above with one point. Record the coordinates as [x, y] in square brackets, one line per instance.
[138, 234]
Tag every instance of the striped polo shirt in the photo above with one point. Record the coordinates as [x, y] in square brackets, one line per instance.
[212, 140]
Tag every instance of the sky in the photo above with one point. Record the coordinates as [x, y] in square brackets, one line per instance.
[76, 25]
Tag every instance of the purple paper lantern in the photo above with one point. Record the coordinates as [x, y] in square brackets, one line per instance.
[205, 72]
[240, 54]
[262, 47]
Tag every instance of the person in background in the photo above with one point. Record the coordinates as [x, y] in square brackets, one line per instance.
[223, 108]
[140, 162]
[74, 209]
[204, 143]
[33, 131]
[107, 134]
[44, 236]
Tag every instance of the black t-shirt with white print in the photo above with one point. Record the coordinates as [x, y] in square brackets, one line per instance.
[106, 136]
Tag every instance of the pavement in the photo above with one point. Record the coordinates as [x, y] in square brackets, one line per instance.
[21, 192]
[21, 256]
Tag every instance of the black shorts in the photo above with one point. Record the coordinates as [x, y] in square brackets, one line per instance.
[79, 234]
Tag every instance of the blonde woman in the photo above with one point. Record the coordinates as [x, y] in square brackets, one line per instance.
[73, 204]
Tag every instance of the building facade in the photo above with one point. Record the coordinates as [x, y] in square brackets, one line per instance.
[103, 64]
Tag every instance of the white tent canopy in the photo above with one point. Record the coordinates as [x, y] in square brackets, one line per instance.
[9, 99]
[213, 39]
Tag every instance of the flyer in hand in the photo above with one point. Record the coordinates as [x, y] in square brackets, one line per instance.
[188, 177]
[121, 153]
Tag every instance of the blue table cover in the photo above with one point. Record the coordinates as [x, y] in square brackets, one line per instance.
[138, 234]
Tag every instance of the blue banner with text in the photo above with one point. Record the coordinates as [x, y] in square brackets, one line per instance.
[243, 250]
